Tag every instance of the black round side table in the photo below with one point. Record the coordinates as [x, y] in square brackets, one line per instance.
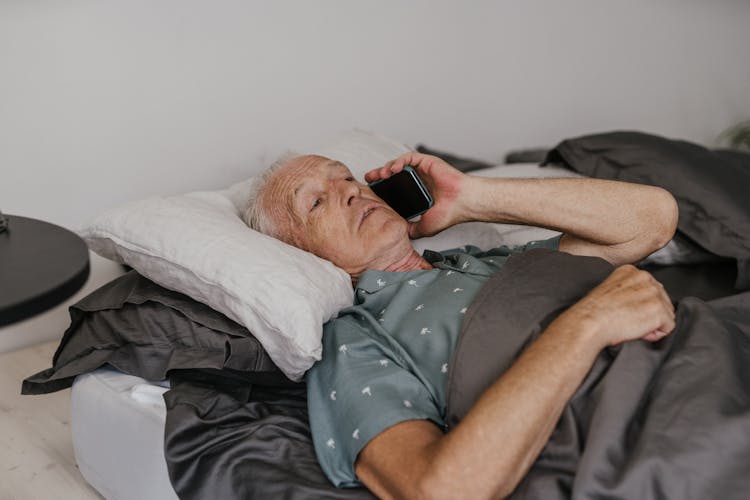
[41, 265]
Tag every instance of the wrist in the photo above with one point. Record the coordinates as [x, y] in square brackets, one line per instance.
[490, 200]
[471, 204]
[582, 328]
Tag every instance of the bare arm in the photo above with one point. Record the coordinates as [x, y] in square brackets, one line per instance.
[619, 221]
[488, 453]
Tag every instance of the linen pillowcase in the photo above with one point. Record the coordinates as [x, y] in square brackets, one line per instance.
[197, 244]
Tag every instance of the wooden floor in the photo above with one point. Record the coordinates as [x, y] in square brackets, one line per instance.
[36, 451]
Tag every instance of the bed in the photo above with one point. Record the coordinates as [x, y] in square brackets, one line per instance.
[106, 398]
[184, 425]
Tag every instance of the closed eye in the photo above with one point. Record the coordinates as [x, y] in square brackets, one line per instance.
[316, 204]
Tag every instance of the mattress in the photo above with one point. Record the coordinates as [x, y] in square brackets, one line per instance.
[118, 434]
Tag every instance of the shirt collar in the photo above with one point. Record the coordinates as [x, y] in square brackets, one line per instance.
[372, 281]
[375, 280]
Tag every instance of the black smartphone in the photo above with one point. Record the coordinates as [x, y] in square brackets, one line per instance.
[404, 192]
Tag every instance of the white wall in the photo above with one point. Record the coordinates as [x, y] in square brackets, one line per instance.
[108, 101]
[102, 102]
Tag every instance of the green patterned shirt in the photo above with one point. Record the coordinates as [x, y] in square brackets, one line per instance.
[385, 358]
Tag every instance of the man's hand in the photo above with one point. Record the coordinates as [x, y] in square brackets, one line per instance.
[628, 305]
[444, 183]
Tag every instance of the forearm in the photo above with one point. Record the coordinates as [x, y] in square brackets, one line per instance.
[488, 453]
[602, 212]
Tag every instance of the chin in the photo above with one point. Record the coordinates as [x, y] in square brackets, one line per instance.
[394, 228]
[395, 239]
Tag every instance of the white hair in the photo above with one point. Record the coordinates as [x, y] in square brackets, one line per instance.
[255, 214]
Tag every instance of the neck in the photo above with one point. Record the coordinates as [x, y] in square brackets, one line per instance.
[409, 261]
[412, 261]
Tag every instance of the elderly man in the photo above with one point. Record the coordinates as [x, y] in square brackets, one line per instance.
[377, 398]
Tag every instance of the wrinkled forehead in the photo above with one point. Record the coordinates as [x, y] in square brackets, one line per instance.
[308, 165]
[295, 179]
[303, 171]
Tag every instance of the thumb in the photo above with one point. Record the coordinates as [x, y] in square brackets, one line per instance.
[415, 231]
[655, 335]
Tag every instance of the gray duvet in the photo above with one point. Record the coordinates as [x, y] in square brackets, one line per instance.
[665, 420]
[650, 421]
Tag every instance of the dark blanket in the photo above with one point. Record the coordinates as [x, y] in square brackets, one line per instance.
[234, 431]
[228, 439]
[664, 420]
[647, 418]
[710, 186]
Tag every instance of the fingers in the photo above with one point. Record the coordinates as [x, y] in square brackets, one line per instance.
[665, 295]
[665, 313]
[397, 165]
[668, 323]
[629, 275]
[414, 230]
[655, 335]
[648, 298]
[392, 167]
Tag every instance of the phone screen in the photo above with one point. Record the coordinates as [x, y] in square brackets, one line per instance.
[404, 192]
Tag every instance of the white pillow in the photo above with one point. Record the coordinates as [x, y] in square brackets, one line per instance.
[362, 151]
[197, 244]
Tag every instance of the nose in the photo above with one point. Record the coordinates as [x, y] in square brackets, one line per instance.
[349, 191]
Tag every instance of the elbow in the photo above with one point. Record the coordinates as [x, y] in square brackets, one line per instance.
[434, 492]
[665, 216]
[655, 226]
[432, 486]
[435, 489]
[438, 486]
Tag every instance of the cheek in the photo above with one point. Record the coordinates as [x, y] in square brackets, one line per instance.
[329, 238]
[332, 239]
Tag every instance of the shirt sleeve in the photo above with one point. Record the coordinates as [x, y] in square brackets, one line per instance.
[550, 243]
[357, 391]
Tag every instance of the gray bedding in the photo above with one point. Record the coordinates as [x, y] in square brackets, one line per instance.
[236, 427]
[710, 186]
[650, 421]
[229, 440]
[645, 416]
[143, 329]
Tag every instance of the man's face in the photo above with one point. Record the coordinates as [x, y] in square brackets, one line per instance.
[321, 208]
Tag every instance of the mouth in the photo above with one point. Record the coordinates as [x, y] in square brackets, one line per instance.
[369, 209]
